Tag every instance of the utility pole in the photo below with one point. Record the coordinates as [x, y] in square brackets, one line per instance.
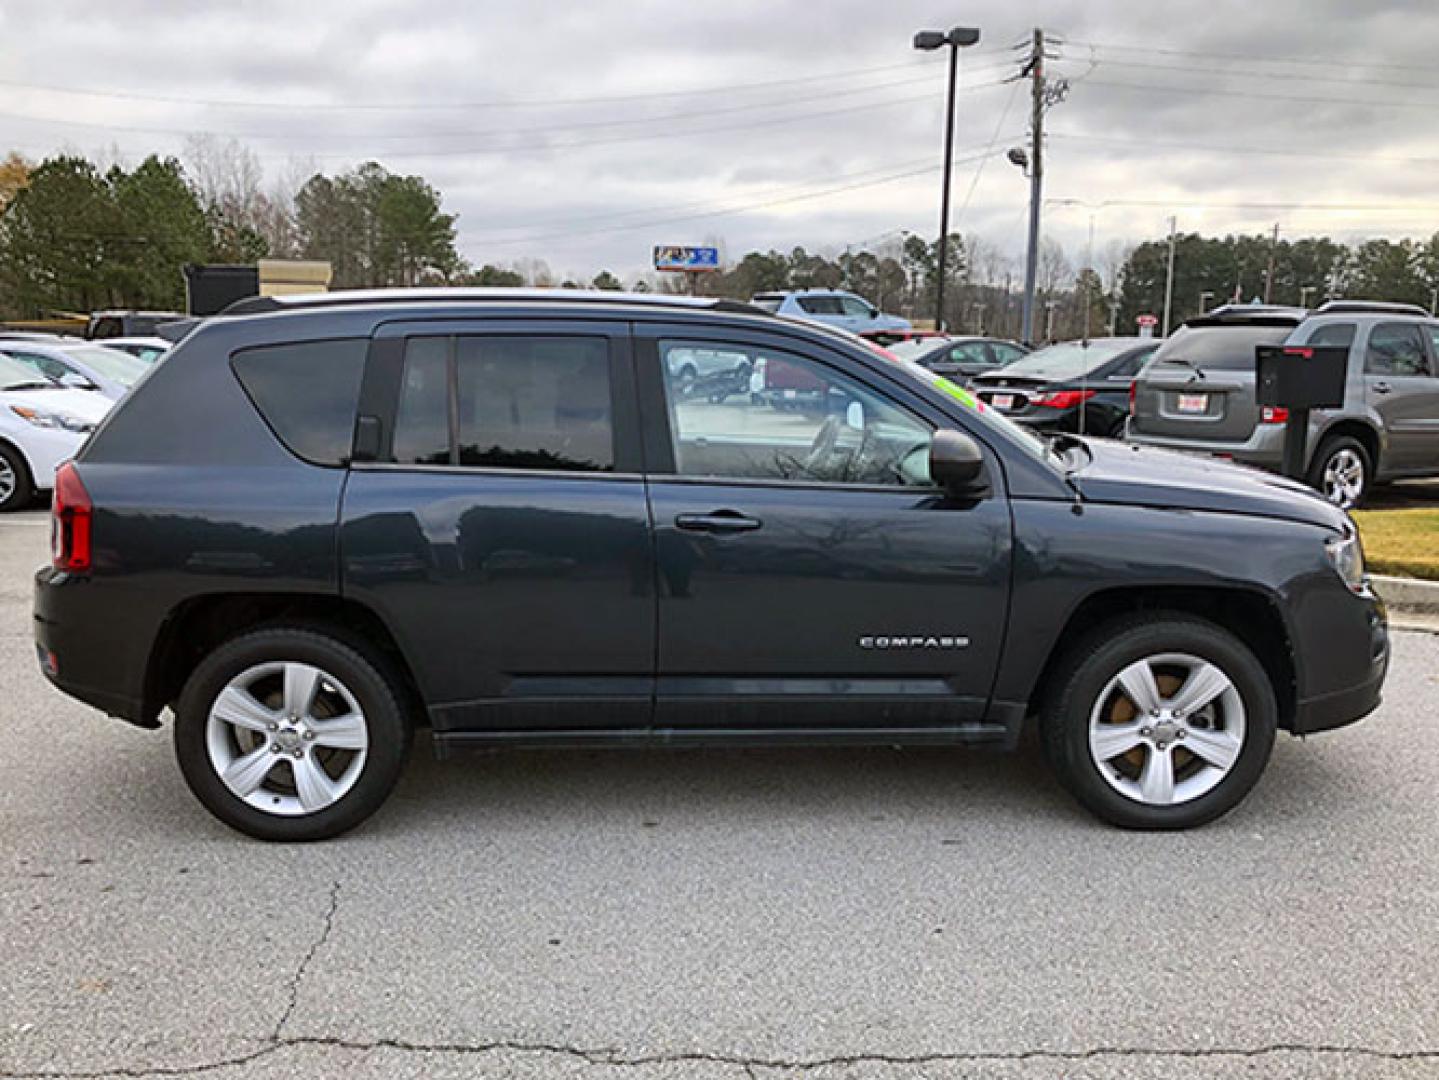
[1304, 291]
[1036, 176]
[1269, 272]
[1169, 278]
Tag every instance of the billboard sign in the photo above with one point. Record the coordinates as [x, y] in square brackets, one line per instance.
[688, 259]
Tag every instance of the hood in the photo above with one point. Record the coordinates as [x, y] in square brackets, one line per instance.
[85, 404]
[1143, 476]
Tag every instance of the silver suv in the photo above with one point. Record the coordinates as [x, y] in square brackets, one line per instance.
[1198, 393]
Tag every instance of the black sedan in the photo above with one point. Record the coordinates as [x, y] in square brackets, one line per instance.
[960, 358]
[1078, 386]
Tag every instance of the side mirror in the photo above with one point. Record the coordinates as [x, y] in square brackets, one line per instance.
[874, 313]
[955, 462]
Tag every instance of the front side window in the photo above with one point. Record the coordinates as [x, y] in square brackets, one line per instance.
[1395, 349]
[820, 305]
[521, 402]
[856, 307]
[796, 419]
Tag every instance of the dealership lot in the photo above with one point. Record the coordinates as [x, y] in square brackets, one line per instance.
[827, 914]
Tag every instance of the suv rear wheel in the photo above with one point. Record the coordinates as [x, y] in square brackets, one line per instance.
[290, 734]
[1342, 472]
[1160, 722]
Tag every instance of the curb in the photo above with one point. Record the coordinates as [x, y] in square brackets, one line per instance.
[1409, 596]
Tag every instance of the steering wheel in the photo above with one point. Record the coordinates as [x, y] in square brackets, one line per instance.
[825, 440]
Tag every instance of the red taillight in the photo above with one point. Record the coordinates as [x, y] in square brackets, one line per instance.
[1064, 399]
[70, 515]
[1133, 383]
[1274, 414]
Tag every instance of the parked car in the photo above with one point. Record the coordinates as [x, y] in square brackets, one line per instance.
[148, 349]
[113, 324]
[833, 307]
[1076, 386]
[495, 516]
[80, 365]
[716, 374]
[41, 424]
[1198, 395]
[961, 358]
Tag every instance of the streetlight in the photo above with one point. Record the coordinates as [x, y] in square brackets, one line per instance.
[1204, 299]
[1304, 291]
[959, 37]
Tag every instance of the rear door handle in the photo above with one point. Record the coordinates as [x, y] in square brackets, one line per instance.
[1382, 388]
[717, 521]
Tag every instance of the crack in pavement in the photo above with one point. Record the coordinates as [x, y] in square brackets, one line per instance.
[294, 986]
[616, 1059]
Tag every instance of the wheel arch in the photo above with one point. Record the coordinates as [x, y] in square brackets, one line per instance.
[10, 444]
[1249, 614]
[1362, 430]
[199, 624]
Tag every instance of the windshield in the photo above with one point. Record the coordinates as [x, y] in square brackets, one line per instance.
[111, 363]
[1069, 359]
[1220, 348]
[14, 374]
[769, 303]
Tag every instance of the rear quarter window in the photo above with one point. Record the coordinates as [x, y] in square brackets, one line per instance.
[307, 393]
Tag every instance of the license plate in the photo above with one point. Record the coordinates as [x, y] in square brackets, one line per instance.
[1002, 401]
[1193, 403]
[789, 394]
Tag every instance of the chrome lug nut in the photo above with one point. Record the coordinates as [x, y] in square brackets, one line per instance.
[1146, 732]
[309, 734]
[299, 753]
[274, 748]
[1160, 745]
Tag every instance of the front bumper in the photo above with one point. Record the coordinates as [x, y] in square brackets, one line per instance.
[45, 450]
[1337, 706]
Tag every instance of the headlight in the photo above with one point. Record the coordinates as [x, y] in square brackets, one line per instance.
[1346, 555]
[41, 418]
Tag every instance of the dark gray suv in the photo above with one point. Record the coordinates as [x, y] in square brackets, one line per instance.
[1198, 393]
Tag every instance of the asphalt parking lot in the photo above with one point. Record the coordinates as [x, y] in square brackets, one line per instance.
[833, 914]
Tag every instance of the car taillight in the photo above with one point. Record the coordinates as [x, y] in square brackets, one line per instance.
[1274, 414]
[1133, 383]
[70, 516]
[1064, 399]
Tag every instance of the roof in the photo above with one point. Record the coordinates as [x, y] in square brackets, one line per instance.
[256, 305]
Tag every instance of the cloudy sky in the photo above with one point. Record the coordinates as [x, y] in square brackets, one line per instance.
[584, 133]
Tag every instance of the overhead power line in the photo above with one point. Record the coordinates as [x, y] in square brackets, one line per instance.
[1206, 91]
[1276, 76]
[1267, 151]
[1311, 61]
[435, 106]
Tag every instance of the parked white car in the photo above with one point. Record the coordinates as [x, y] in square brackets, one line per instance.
[148, 349]
[42, 424]
[80, 365]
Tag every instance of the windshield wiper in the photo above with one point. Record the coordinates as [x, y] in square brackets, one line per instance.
[32, 386]
[1190, 364]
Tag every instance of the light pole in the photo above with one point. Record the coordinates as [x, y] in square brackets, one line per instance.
[1204, 298]
[928, 40]
[1304, 291]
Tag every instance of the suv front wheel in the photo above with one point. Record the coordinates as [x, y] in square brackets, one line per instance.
[1160, 722]
[1342, 471]
[290, 734]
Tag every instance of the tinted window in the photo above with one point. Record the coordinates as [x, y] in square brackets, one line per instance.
[1341, 333]
[797, 420]
[854, 306]
[1130, 365]
[769, 303]
[1395, 349]
[1221, 348]
[820, 305]
[973, 353]
[1069, 359]
[1006, 354]
[307, 393]
[520, 403]
[109, 326]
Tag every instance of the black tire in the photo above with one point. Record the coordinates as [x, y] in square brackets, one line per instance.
[22, 490]
[1087, 670]
[366, 677]
[1330, 452]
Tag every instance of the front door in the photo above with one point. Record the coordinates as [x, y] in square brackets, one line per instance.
[809, 574]
[503, 533]
[1400, 387]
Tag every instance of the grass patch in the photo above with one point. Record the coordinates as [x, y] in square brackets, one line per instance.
[1402, 542]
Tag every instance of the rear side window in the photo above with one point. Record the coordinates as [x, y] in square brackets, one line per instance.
[1341, 333]
[1221, 348]
[506, 402]
[1395, 349]
[307, 392]
[821, 305]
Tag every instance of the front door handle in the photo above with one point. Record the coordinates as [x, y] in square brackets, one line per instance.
[1382, 388]
[717, 521]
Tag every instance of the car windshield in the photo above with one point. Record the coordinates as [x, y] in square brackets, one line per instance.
[1221, 348]
[15, 375]
[769, 303]
[1069, 359]
[111, 363]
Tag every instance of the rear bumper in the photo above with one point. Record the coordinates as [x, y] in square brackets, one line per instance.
[1264, 448]
[77, 651]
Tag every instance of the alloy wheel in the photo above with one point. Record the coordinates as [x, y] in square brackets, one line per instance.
[8, 480]
[287, 738]
[1167, 729]
[1344, 478]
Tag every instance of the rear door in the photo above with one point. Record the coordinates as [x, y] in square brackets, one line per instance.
[502, 529]
[1399, 385]
[809, 575]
